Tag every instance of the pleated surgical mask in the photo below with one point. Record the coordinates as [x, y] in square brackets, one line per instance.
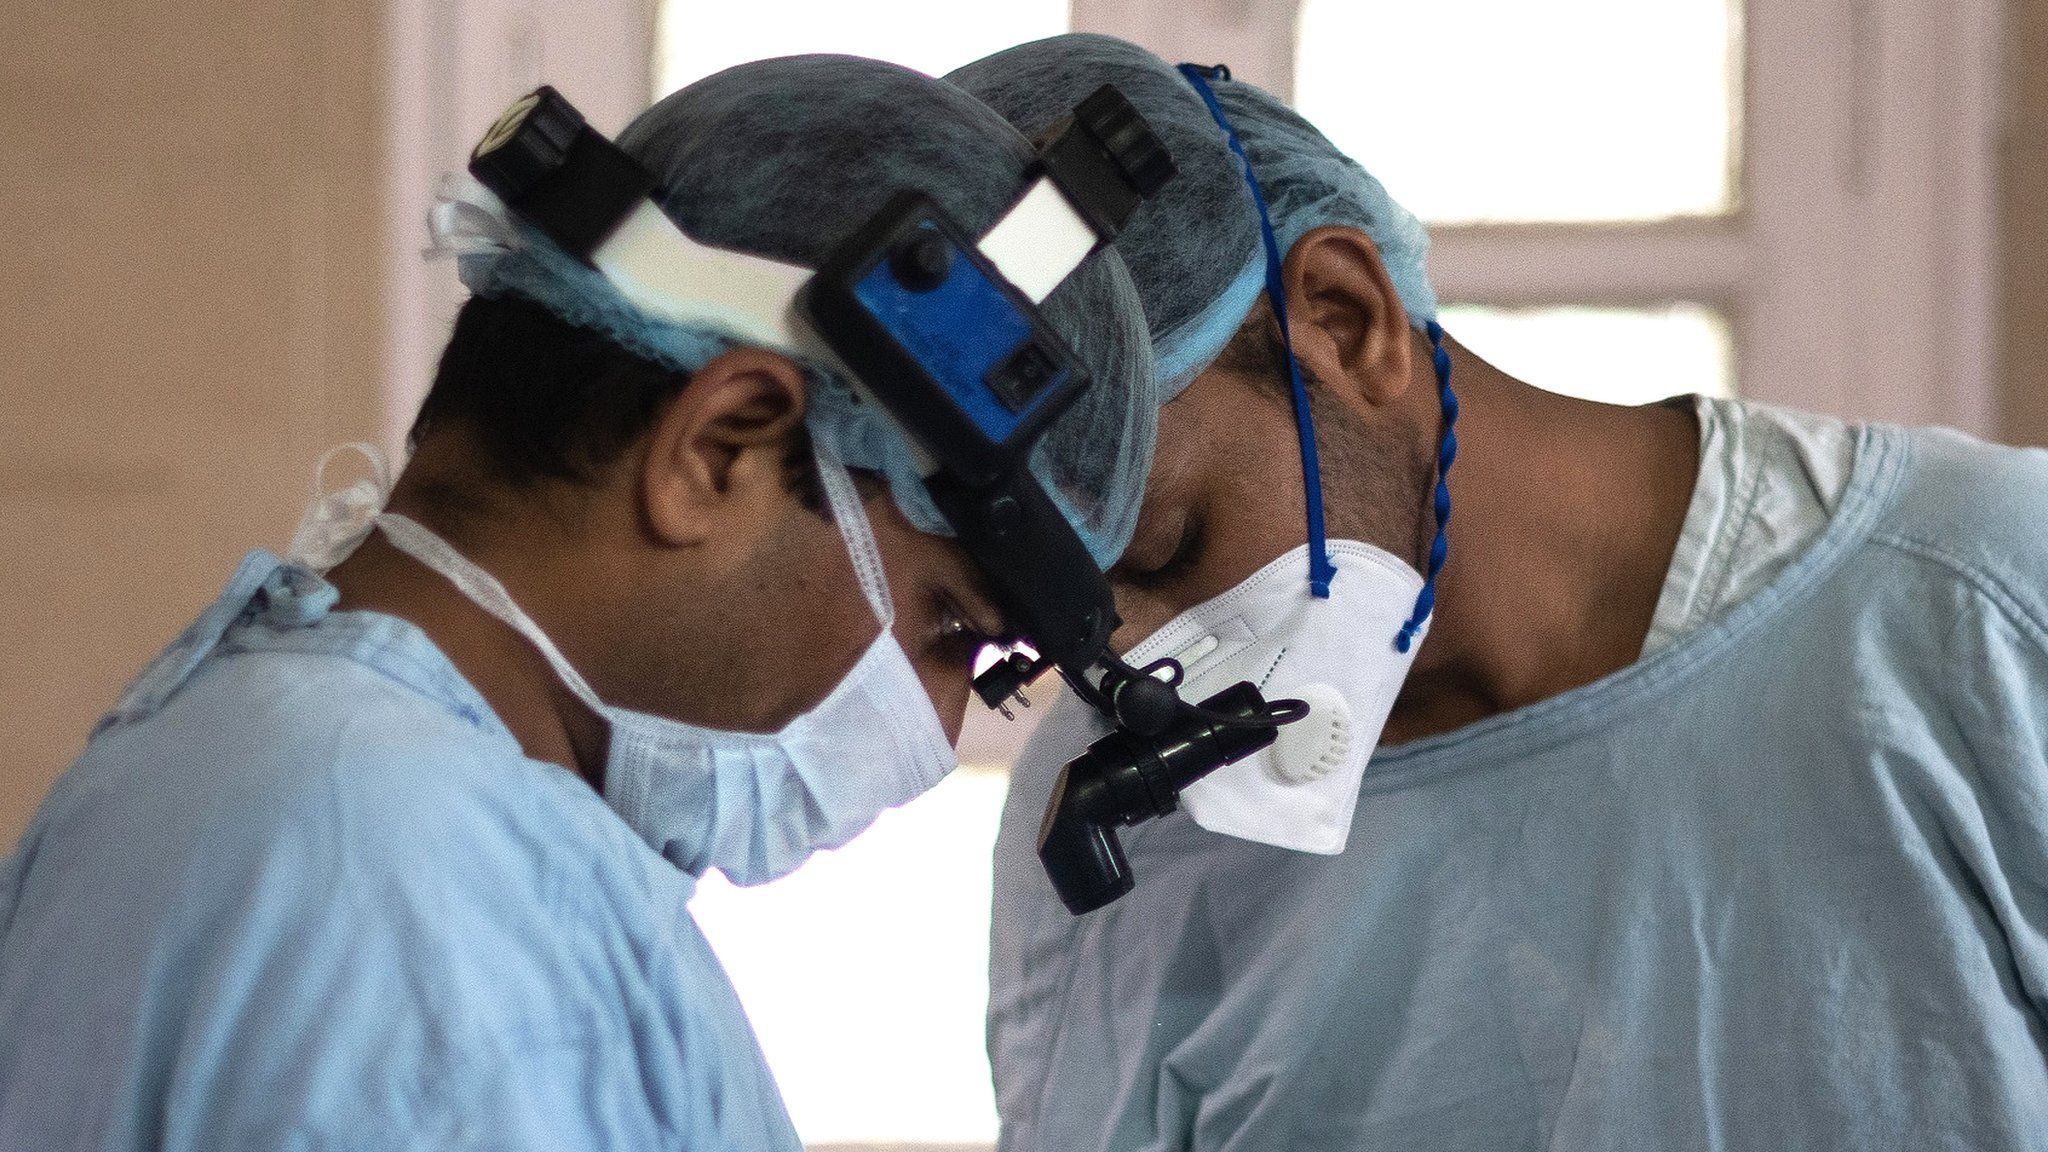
[754, 806]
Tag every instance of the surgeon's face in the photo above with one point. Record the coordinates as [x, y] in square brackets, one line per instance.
[804, 596]
[1225, 496]
[1224, 499]
[943, 611]
[741, 607]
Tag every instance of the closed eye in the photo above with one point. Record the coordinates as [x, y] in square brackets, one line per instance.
[1186, 555]
[958, 638]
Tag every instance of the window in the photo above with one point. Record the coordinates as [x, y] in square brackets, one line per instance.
[1806, 184]
[1621, 110]
[1613, 355]
[1625, 115]
[865, 972]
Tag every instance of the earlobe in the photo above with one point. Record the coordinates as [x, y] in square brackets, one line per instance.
[1345, 318]
[721, 445]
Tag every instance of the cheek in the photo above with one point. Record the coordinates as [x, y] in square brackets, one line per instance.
[946, 682]
[914, 562]
[814, 607]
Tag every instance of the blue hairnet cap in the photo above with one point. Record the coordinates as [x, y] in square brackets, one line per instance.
[1194, 251]
[785, 158]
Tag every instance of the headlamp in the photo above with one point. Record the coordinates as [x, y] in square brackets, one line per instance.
[944, 332]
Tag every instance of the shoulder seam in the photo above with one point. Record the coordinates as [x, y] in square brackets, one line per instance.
[397, 686]
[1984, 582]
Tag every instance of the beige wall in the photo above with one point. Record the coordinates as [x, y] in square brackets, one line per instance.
[191, 278]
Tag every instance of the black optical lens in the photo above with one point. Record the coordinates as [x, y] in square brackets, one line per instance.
[921, 262]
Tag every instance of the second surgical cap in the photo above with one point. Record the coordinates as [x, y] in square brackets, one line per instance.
[1194, 251]
[785, 158]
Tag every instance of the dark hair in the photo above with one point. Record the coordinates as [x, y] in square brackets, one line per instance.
[1256, 354]
[545, 400]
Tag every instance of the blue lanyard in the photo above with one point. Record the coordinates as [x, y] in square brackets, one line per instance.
[1320, 569]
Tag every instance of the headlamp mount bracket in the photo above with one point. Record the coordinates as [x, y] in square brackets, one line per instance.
[944, 332]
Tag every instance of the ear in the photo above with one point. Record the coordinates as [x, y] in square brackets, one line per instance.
[720, 447]
[1346, 321]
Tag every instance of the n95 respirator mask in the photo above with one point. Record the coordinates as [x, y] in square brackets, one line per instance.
[1336, 654]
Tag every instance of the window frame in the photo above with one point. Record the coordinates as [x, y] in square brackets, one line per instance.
[1858, 271]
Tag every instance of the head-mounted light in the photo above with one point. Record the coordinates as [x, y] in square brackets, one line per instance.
[944, 332]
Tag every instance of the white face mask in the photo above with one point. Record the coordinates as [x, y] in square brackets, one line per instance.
[754, 806]
[1336, 654]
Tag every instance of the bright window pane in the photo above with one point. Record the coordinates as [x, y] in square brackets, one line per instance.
[865, 972]
[699, 37]
[1530, 110]
[1614, 355]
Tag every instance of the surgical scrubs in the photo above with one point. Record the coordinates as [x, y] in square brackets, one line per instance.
[304, 891]
[1783, 883]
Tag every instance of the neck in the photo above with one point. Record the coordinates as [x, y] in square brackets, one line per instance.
[508, 672]
[1565, 516]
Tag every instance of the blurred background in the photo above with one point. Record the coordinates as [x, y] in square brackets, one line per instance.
[217, 210]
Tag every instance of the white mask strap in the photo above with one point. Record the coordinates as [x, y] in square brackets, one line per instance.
[336, 522]
[852, 519]
[484, 590]
[467, 219]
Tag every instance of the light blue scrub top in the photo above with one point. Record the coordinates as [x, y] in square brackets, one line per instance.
[1781, 885]
[303, 890]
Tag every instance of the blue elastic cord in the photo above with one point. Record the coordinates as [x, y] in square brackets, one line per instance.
[1320, 570]
[1446, 452]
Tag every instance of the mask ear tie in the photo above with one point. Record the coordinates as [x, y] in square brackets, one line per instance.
[1447, 451]
[1320, 568]
[335, 522]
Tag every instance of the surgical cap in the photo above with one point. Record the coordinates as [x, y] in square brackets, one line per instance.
[1194, 251]
[785, 158]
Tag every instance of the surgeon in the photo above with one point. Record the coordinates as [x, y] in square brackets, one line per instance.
[1681, 780]
[393, 847]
